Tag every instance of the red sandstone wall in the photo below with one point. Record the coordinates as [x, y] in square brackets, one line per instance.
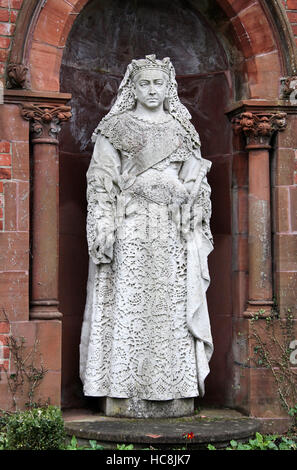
[285, 218]
[8, 15]
[14, 263]
[286, 201]
[14, 208]
[9, 10]
[291, 7]
[14, 222]
[14, 241]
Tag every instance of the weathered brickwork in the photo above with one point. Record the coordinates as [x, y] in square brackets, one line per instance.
[14, 222]
[9, 10]
[5, 175]
[285, 216]
[291, 7]
[43, 337]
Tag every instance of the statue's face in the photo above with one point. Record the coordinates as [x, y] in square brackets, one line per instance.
[150, 88]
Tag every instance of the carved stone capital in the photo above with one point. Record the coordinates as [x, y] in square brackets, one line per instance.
[45, 121]
[17, 76]
[258, 128]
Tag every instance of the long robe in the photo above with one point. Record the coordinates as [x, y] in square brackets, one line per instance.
[146, 330]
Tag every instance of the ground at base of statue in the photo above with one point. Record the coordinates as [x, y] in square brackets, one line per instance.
[208, 426]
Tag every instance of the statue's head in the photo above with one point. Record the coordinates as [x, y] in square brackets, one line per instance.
[150, 80]
[153, 82]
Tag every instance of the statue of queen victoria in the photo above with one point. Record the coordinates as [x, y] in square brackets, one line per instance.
[146, 337]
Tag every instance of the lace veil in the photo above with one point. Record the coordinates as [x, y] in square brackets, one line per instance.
[125, 100]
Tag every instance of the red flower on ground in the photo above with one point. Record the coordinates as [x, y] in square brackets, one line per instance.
[189, 435]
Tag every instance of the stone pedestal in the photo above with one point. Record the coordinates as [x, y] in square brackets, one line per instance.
[137, 408]
[218, 427]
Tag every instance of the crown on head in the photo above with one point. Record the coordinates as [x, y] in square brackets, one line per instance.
[150, 63]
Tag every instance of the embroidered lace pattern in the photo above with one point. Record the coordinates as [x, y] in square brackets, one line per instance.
[129, 134]
[204, 201]
[139, 344]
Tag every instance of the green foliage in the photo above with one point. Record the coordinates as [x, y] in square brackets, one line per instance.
[270, 442]
[211, 447]
[293, 411]
[3, 441]
[95, 446]
[3, 420]
[35, 429]
[125, 447]
[74, 445]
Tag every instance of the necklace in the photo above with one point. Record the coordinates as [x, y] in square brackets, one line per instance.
[148, 121]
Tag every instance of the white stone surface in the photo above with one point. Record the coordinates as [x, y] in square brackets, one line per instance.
[137, 408]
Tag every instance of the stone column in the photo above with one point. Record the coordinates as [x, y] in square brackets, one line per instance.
[258, 129]
[45, 123]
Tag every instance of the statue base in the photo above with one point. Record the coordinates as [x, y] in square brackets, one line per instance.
[138, 408]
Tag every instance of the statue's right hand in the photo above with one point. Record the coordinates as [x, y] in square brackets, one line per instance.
[104, 240]
[100, 241]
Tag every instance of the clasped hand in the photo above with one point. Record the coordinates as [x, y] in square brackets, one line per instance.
[103, 240]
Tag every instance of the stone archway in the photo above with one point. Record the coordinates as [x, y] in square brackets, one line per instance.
[261, 64]
[254, 29]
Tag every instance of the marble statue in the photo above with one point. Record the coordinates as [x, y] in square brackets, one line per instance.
[146, 335]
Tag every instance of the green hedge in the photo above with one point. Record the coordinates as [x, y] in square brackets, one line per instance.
[34, 429]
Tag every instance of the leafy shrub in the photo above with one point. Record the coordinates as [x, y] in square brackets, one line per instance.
[264, 443]
[3, 421]
[270, 442]
[3, 441]
[35, 429]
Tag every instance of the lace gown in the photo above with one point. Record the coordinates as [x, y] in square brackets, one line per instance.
[136, 339]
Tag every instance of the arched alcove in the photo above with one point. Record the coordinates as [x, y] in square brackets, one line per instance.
[103, 40]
